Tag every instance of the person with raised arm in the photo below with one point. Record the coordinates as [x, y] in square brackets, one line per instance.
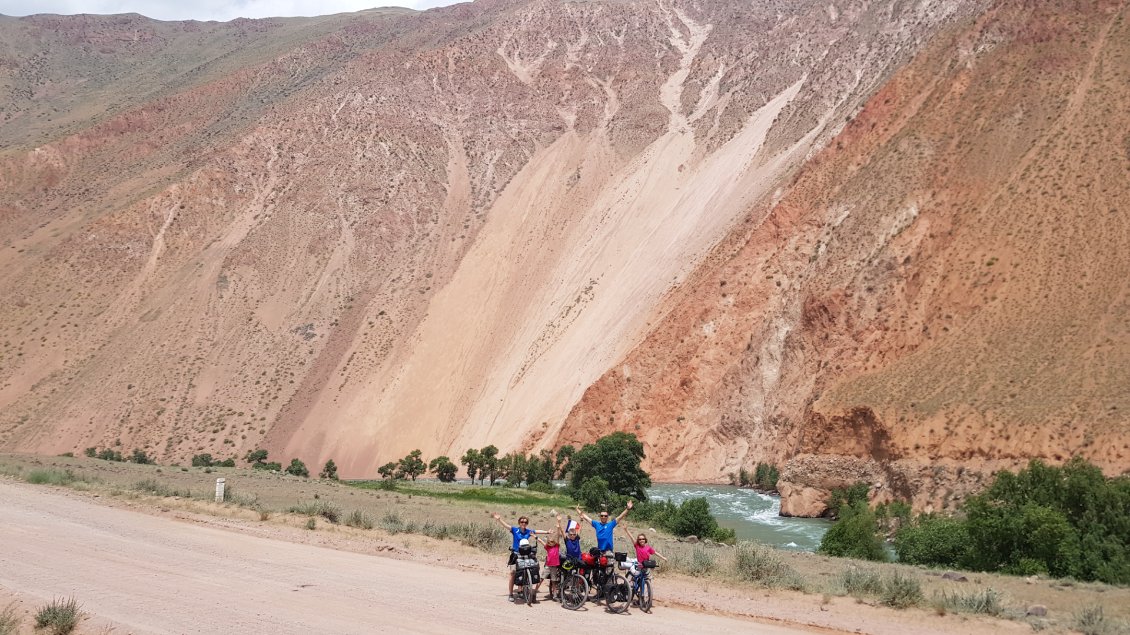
[519, 532]
[644, 551]
[605, 541]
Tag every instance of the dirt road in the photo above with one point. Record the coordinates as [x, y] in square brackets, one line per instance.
[150, 574]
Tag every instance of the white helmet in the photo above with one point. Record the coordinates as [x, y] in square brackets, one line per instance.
[523, 543]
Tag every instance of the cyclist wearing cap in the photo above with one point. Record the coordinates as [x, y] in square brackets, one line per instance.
[521, 532]
[605, 528]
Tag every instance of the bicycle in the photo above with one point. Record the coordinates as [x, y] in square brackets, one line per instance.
[527, 574]
[574, 586]
[640, 575]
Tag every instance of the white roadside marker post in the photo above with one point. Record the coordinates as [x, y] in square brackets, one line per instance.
[219, 490]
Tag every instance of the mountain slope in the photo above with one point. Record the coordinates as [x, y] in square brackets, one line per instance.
[940, 293]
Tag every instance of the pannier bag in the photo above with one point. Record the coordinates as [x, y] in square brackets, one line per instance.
[588, 559]
[650, 564]
[620, 556]
[525, 550]
[525, 564]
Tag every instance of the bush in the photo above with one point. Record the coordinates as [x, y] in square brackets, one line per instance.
[297, 468]
[861, 582]
[693, 519]
[933, 540]
[850, 497]
[140, 457]
[311, 524]
[110, 455]
[541, 487]
[329, 471]
[901, 591]
[765, 477]
[50, 477]
[698, 563]
[322, 508]
[61, 616]
[854, 535]
[202, 460]
[91, 452]
[228, 462]
[270, 467]
[9, 621]
[757, 564]
[987, 601]
[359, 519]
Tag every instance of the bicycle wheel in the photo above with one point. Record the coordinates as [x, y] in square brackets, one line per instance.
[644, 594]
[574, 592]
[528, 591]
[617, 594]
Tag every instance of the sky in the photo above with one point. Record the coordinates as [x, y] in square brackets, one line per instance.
[221, 10]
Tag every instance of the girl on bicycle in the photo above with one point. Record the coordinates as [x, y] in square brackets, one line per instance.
[553, 559]
[644, 550]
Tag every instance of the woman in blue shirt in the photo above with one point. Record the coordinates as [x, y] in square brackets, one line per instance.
[519, 532]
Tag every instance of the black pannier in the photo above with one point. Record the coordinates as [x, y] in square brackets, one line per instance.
[649, 564]
[620, 556]
[527, 564]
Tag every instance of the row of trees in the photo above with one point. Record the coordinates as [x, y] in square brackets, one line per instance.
[516, 467]
[764, 477]
[1067, 521]
[109, 454]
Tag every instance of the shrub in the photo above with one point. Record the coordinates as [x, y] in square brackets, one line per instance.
[140, 457]
[322, 508]
[765, 476]
[329, 471]
[987, 601]
[359, 519]
[1090, 620]
[91, 452]
[861, 582]
[297, 468]
[9, 621]
[393, 523]
[202, 460]
[699, 562]
[901, 591]
[933, 540]
[854, 536]
[849, 497]
[270, 467]
[311, 523]
[50, 477]
[61, 616]
[757, 564]
[544, 488]
[157, 488]
[228, 462]
[110, 455]
[693, 519]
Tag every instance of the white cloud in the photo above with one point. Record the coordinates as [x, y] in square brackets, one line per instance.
[222, 10]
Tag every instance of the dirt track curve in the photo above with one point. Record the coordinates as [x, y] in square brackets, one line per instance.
[157, 575]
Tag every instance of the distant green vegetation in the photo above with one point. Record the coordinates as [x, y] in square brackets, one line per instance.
[1067, 521]
[472, 494]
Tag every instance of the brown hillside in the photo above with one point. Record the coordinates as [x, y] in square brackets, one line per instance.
[941, 292]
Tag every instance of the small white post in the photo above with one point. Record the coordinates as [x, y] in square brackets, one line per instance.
[219, 490]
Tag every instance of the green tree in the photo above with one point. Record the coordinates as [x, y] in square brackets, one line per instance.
[490, 464]
[329, 471]
[933, 540]
[854, 535]
[443, 468]
[256, 456]
[541, 468]
[562, 463]
[297, 468]
[693, 518]
[473, 462]
[412, 465]
[388, 470]
[616, 459]
[140, 457]
[202, 460]
[91, 452]
[594, 494]
[848, 497]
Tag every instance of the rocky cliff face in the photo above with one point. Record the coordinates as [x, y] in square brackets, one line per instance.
[940, 292]
[744, 233]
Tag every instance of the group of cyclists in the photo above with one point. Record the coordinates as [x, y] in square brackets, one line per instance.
[525, 539]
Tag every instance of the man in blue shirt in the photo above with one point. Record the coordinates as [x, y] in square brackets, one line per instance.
[520, 532]
[604, 528]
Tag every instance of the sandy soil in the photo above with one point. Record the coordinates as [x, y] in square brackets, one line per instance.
[144, 574]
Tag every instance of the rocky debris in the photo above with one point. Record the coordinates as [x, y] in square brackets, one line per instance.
[955, 577]
[1037, 610]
